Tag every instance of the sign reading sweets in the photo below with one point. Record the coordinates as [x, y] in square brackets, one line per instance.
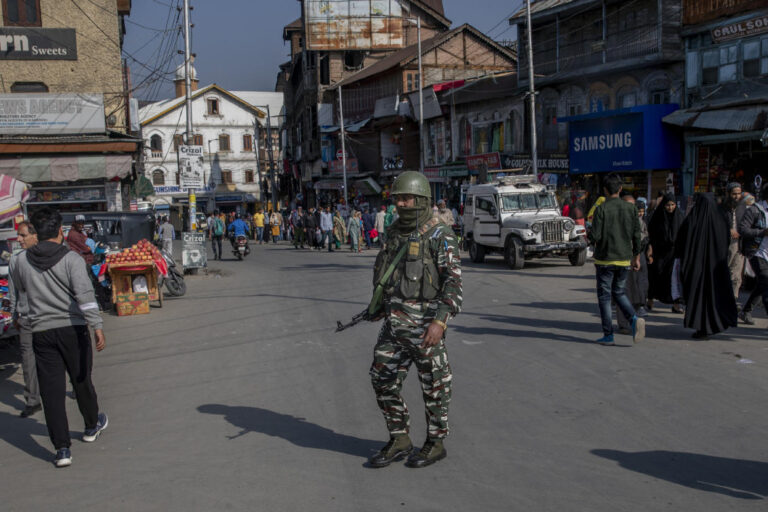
[29, 114]
[191, 167]
[17, 43]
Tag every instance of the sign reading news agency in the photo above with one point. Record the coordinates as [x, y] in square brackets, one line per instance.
[48, 114]
[606, 144]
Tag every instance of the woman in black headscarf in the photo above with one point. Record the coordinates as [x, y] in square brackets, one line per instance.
[702, 247]
[662, 233]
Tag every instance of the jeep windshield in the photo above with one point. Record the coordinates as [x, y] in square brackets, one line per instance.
[517, 202]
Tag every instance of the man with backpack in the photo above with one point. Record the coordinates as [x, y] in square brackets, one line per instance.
[216, 233]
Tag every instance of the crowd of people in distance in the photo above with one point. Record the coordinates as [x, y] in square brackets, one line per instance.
[326, 227]
[696, 262]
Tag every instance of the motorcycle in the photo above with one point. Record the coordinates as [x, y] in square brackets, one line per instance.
[240, 247]
[174, 280]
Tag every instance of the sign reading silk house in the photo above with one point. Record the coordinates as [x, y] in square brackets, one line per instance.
[35, 43]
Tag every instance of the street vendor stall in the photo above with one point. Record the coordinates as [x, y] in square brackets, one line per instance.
[13, 195]
[133, 274]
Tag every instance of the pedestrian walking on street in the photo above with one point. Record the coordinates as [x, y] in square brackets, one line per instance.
[637, 280]
[326, 226]
[297, 222]
[311, 227]
[417, 279]
[379, 224]
[216, 230]
[754, 232]
[258, 224]
[27, 238]
[275, 223]
[662, 232]
[369, 222]
[339, 229]
[733, 210]
[444, 214]
[61, 305]
[705, 281]
[617, 238]
[355, 229]
[167, 234]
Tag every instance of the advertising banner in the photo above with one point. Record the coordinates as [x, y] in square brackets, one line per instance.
[487, 161]
[336, 167]
[353, 24]
[751, 27]
[35, 43]
[193, 253]
[51, 114]
[191, 167]
[606, 144]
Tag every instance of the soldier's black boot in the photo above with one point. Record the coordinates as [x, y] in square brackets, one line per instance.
[432, 451]
[398, 447]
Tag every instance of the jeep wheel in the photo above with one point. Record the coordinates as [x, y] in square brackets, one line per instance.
[578, 258]
[513, 254]
[476, 252]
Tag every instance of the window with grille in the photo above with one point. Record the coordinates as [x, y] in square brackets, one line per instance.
[29, 87]
[223, 142]
[226, 177]
[177, 141]
[21, 13]
[755, 58]
[156, 143]
[247, 143]
[158, 178]
[197, 140]
[249, 177]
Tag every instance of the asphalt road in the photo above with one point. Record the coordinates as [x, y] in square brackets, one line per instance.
[239, 396]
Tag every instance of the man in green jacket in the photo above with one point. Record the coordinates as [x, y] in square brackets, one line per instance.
[617, 239]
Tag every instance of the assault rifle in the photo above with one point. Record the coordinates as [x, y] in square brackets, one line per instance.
[360, 317]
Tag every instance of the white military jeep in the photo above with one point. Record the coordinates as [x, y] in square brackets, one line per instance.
[520, 219]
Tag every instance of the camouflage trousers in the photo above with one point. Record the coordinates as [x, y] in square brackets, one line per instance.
[392, 358]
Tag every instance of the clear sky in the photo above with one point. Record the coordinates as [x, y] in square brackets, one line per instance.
[239, 43]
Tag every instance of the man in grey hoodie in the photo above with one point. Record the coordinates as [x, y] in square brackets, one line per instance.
[60, 306]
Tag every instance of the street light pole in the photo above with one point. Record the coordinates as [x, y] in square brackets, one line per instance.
[343, 151]
[532, 94]
[421, 101]
[188, 93]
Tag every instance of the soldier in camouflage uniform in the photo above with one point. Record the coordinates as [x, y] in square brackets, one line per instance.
[420, 294]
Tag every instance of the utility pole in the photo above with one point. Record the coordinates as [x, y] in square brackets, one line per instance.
[421, 100]
[271, 161]
[532, 94]
[188, 139]
[343, 151]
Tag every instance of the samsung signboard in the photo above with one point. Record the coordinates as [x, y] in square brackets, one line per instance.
[632, 139]
[51, 114]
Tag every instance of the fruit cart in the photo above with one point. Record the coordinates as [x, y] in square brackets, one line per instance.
[124, 268]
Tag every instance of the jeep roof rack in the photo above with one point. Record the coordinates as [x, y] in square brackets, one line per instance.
[519, 179]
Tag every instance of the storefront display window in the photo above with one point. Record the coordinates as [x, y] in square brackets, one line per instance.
[490, 136]
[439, 143]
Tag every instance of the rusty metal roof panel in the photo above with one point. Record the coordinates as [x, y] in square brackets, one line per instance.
[731, 119]
[540, 6]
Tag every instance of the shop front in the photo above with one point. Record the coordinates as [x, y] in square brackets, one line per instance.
[632, 142]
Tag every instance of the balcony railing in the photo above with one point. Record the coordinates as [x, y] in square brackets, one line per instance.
[156, 153]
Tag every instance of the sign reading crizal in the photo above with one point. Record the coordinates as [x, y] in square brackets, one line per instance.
[191, 167]
[18, 43]
[27, 114]
[607, 144]
[741, 29]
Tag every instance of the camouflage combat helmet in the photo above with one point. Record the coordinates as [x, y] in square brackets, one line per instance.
[411, 182]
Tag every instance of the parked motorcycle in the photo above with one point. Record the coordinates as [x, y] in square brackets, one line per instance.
[174, 281]
[240, 247]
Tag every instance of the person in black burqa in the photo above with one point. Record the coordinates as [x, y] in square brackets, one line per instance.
[662, 233]
[702, 248]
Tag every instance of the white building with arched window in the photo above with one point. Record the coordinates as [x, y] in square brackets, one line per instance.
[225, 124]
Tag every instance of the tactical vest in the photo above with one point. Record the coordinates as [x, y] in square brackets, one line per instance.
[416, 276]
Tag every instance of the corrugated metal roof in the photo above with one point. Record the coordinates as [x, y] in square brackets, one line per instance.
[436, 5]
[540, 6]
[745, 119]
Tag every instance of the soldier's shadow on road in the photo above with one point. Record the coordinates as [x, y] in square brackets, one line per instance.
[737, 478]
[295, 430]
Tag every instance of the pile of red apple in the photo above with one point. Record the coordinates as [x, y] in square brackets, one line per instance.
[140, 253]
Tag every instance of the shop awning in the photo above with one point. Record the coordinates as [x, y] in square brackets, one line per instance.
[746, 119]
[329, 185]
[368, 187]
[352, 127]
[12, 194]
[432, 107]
[66, 168]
